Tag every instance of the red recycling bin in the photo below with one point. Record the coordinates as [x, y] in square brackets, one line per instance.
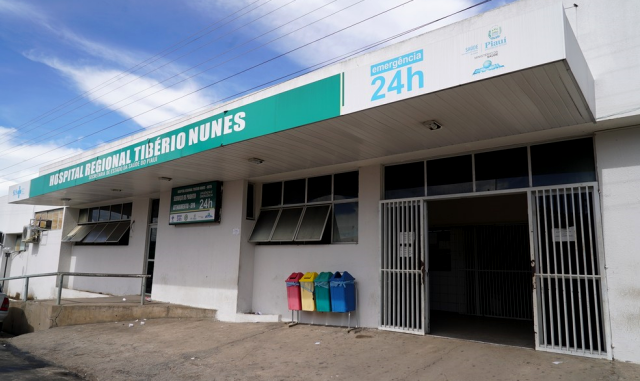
[293, 291]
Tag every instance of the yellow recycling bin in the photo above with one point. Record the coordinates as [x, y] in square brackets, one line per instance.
[306, 291]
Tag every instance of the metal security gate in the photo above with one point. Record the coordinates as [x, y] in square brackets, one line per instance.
[569, 286]
[403, 266]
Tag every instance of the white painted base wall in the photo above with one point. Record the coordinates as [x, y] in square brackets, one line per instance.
[274, 264]
[618, 161]
[113, 259]
[198, 264]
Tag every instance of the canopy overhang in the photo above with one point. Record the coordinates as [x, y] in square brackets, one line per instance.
[515, 88]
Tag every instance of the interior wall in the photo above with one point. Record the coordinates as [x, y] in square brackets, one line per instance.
[197, 264]
[447, 289]
[478, 210]
[274, 263]
[618, 165]
[127, 259]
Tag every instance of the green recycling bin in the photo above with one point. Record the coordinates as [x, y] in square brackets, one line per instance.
[323, 294]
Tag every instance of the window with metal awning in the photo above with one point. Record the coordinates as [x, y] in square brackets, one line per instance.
[107, 225]
[321, 209]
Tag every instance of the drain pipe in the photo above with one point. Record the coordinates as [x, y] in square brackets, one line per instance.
[7, 254]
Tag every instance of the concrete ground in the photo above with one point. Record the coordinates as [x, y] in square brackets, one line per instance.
[176, 349]
[17, 365]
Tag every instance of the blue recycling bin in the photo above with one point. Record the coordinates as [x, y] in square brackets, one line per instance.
[343, 292]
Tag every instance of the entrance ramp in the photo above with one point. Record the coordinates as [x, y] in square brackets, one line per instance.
[36, 315]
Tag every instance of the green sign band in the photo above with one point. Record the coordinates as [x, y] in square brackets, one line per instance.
[303, 105]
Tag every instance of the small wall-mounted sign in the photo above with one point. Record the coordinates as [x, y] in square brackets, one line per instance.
[196, 203]
[564, 235]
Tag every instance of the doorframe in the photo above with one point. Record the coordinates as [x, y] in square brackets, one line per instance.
[599, 237]
[146, 255]
[422, 237]
[527, 192]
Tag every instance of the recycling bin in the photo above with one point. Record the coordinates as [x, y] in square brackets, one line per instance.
[306, 291]
[343, 292]
[323, 295]
[293, 291]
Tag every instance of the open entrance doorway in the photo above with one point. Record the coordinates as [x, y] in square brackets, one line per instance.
[152, 236]
[480, 275]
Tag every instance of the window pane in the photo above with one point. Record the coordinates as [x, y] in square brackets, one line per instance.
[121, 229]
[251, 196]
[404, 180]
[264, 226]
[105, 233]
[507, 169]
[345, 222]
[287, 224]
[563, 162]
[449, 176]
[116, 212]
[19, 244]
[313, 223]
[153, 238]
[319, 189]
[78, 233]
[126, 211]
[94, 214]
[83, 216]
[93, 234]
[105, 213]
[155, 210]
[56, 219]
[271, 194]
[345, 185]
[294, 192]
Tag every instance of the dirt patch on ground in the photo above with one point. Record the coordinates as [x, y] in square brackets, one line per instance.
[170, 349]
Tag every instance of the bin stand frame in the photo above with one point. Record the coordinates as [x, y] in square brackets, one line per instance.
[349, 329]
[294, 323]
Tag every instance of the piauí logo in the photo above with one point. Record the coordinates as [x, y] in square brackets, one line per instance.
[495, 32]
[486, 66]
[18, 192]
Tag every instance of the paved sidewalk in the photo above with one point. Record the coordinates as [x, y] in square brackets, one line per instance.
[181, 349]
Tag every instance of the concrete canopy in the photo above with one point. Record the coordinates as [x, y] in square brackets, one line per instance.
[542, 90]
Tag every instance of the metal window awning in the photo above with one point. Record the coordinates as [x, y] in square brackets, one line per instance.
[78, 233]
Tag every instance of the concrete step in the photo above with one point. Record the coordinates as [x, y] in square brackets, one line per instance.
[30, 316]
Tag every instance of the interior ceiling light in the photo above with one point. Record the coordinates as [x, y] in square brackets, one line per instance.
[163, 178]
[432, 125]
[255, 160]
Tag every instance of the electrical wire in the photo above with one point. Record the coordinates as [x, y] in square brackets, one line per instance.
[214, 83]
[89, 101]
[207, 107]
[144, 63]
[48, 135]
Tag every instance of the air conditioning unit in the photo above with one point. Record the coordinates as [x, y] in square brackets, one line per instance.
[30, 235]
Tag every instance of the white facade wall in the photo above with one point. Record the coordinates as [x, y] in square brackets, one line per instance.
[618, 161]
[41, 257]
[198, 264]
[274, 263]
[127, 259]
